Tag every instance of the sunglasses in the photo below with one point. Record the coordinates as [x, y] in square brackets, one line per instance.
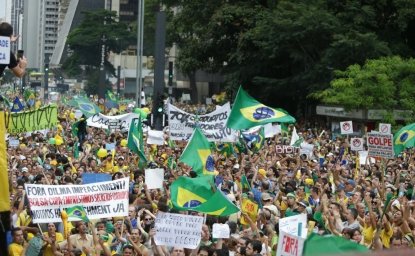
[147, 219]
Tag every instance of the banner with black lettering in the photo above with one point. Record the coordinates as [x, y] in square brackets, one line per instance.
[102, 121]
[100, 200]
[213, 125]
[33, 120]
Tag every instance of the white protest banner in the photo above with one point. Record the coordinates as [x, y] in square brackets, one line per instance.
[4, 50]
[380, 145]
[356, 144]
[155, 137]
[178, 230]
[294, 225]
[306, 149]
[154, 178]
[285, 149]
[220, 231]
[103, 121]
[346, 127]
[100, 200]
[385, 128]
[14, 143]
[213, 125]
[290, 245]
[363, 158]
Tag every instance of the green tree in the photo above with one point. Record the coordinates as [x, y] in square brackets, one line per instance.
[86, 40]
[385, 83]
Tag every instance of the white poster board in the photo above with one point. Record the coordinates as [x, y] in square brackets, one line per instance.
[294, 225]
[363, 158]
[385, 128]
[154, 178]
[346, 127]
[356, 144]
[100, 200]
[155, 137]
[220, 231]
[178, 230]
[4, 50]
[380, 145]
[290, 245]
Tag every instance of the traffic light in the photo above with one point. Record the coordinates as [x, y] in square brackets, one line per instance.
[170, 81]
[46, 67]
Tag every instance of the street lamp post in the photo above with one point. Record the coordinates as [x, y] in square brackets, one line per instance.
[140, 32]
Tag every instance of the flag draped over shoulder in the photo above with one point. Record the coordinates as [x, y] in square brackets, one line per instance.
[135, 140]
[77, 213]
[199, 194]
[197, 154]
[317, 245]
[87, 107]
[248, 112]
[404, 138]
[17, 105]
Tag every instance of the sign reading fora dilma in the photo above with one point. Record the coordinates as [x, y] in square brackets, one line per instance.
[4, 50]
[380, 145]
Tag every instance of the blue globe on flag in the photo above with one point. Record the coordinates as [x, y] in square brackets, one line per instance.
[263, 112]
[77, 213]
[403, 137]
[86, 107]
[192, 203]
[210, 164]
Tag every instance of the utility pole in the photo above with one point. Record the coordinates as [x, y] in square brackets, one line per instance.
[140, 32]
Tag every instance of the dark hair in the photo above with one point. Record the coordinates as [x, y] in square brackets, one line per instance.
[204, 248]
[128, 247]
[256, 246]
[354, 212]
[6, 29]
[14, 230]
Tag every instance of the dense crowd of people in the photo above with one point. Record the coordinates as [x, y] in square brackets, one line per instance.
[340, 195]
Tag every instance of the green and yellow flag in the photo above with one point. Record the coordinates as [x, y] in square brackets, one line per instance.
[245, 184]
[77, 213]
[4, 179]
[248, 112]
[404, 138]
[85, 105]
[198, 155]
[225, 149]
[135, 140]
[199, 194]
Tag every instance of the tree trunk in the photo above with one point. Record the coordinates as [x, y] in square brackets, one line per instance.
[193, 87]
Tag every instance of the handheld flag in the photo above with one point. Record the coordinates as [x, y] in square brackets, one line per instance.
[317, 245]
[135, 140]
[225, 149]
[87, 108]
[29, 97]
[17, 105]
[75, 129]
[245, 184]
[254, 139]
[295, 139]
[404, 138]
[197, 154]
[77, 213]
[248, 112]
[198, 194]
[111, 100]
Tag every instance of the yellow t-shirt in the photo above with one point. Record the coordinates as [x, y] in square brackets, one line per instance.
[368, 234]
[48, 250]
[15, 249]
[386, 236]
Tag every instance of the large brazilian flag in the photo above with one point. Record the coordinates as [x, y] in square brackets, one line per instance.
[199, 194]
[404, 138]
[247, 112]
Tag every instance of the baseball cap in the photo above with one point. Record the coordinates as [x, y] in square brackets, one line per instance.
[266, 196]
[24, 169]
[236, 166]
[303, 203]
[351, 182]
[291, 195]
[330, 154]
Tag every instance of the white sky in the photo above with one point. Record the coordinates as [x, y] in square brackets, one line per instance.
[2, 9]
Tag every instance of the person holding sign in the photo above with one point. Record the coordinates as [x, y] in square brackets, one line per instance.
[17, 66]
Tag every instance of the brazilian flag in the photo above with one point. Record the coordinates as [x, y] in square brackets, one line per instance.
[87, 107]
[404, 138]
[245, 184]
[199, 194]
[248, 112]
[135, 140]
[254, 140]
[198, 154]
[77, 213]
[225, 149]
[111, 100]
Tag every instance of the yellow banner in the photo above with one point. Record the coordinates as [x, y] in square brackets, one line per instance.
[4, 177]
[251, 208]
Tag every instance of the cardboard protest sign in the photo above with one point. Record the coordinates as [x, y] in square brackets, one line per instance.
[100, 200]
[294, 225]
[178, 230]
[251, 208]
[356, 144]
[213, 125]
[385, 128]
[4, 50]
[285, 149]
[155, 137]
[363, 158]
[34, 120]
[290, 245]
[346, 127]
[220, 231]
[380, 145]
[154, 178]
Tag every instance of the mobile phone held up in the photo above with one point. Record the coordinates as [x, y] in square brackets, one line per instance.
[19, 54]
